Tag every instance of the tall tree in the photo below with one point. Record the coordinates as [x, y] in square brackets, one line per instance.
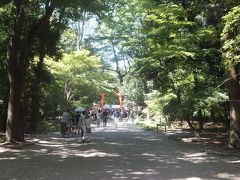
[19, 48]
[231, 42]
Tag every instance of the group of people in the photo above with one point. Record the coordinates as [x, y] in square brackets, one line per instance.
[116, 114]
[99, 116]
[79, 123]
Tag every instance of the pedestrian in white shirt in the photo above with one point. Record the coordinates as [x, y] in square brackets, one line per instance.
[99, 115]
[85, 124]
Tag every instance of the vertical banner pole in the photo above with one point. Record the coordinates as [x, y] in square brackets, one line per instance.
[102, 101]
[120, 101]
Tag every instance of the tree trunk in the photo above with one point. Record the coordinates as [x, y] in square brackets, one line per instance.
[16, 81]
[234, 108]
[19, 47]
[14, 107]
[120, 77]
[196, 134]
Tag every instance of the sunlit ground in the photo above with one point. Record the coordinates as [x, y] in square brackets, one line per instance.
[114, 153]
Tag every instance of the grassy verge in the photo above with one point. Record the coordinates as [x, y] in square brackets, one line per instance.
[146, 126]
[48, 126]
[151, 125]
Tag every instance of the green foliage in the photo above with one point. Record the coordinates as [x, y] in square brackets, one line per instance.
[172, 47]
[133, 90]
[231, 36]
[178, 58]
[68, 41]
[80, 78]
[5, 21]
[155, 105]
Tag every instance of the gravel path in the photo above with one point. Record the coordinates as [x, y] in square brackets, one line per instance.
[115, 153]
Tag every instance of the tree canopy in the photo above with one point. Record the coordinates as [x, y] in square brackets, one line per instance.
[176, 60]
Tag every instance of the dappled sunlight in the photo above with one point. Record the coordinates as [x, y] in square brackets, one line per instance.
[48, 142]
[4, 149]
[113, 129]
[227, 176]
[148, 138]
[8, 158]
[148, 154]
[52, 145]
[113, 143]
[234, 161]
[190, 178]
[40, 151]
[119, 144]
[195, 157]
[65, 153]
[148, 171]
[117, 155]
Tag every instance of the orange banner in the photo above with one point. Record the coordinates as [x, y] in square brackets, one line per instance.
[120, 101]
[102, 101]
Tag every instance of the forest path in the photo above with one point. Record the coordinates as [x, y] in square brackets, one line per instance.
[114, 153]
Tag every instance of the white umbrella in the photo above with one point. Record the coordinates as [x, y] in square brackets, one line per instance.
[107, 106]
[79, 109]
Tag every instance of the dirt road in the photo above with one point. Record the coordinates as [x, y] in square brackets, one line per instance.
[115, 153]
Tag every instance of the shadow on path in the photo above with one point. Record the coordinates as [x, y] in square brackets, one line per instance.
[114, 153]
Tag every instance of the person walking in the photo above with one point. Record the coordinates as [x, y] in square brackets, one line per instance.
[116, 116]
[99, 115]
[105, 117]
[88, 130]
[66, 117]
[84, 124]
[77, 117]
[125, 117]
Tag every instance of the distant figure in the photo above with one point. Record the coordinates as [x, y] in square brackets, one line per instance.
[116, 116]
[76, 122]
[125, 115]
[99, 115]
[82, 124]
[85, 125]
[88, 130]
[66, 117]
[105, 117]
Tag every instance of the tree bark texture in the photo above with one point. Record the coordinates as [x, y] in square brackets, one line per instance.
[234, 108]
[15, 74]
[19, 46]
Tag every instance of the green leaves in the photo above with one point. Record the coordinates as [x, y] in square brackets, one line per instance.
[80, 76]
[231, 36]
[177, 56]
